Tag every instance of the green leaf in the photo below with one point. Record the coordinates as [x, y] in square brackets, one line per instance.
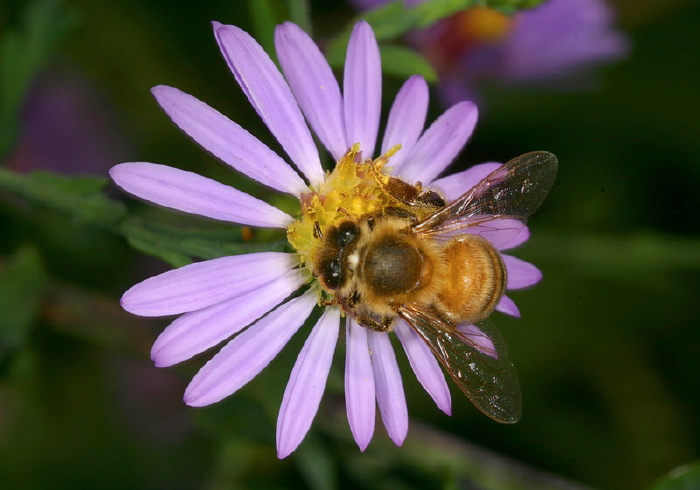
[22, 54]
[179, 245]
[404, 62]
[80, 197]
[22, 281]
[396, 19]
[300, 14]
[267, 14]
[684, 478]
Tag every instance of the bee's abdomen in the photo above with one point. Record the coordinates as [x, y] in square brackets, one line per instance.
[474, 279]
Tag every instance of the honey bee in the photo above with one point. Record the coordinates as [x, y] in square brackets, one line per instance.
[438, 274]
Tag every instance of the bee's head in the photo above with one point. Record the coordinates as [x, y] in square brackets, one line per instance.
[338, 241]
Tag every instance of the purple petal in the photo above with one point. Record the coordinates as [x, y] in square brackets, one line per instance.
[196, 332]
[306, 383]
[271, 97]
[501, 232]
[359, 385]
[515, 239]
[521, 274]
[455, 185]
[387, 379]
[507, 306]
[191, 193]
[248, 353]
[203, 284]
[440, 144]
[406, 118]
[314, 86]
[362, 86]
[480, 340]
[425, 366]
[228, 141]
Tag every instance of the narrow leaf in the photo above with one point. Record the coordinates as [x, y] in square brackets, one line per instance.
[178, 246]
[80, 197]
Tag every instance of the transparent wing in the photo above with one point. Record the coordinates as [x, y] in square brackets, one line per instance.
[475, 357]
[514, 190]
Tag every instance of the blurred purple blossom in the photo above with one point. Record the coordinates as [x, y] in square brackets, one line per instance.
[69, 126]
[553, 45]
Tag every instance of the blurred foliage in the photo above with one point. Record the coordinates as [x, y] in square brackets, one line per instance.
[684, 478]
[607, 349]
[22, 281]
[397, 18]
[80, 197]
[23, 53]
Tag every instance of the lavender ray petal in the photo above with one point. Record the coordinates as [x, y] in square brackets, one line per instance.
[521, 274]
[203, 284]
[515, 239]
[482, 342]
[303, 393]
[228, 141]
[387, 379]
[195, 332]
[362, 86]
[501, 232]
[314, 86]
[425, 366]
[359, 385]
[271, 97]
[440, 143]
[508, 306]
[455, 185]
[406, 119]
[247, 354]
[191, 193]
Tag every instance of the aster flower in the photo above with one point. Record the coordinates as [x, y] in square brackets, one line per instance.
[262, 299]
[555, 43]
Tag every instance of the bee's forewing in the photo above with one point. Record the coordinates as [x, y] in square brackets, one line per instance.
[475, 357]
[514, 190]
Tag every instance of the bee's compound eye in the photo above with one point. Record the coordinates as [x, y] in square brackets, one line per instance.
[332, 274]
[345, 233]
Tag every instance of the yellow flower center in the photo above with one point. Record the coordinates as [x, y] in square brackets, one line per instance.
[483, 24]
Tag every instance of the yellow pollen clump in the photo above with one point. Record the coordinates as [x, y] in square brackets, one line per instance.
[352, 190]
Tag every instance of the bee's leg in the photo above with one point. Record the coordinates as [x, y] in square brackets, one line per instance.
[392, 211]
[318, 234]
[383, 325]
[397, 212]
